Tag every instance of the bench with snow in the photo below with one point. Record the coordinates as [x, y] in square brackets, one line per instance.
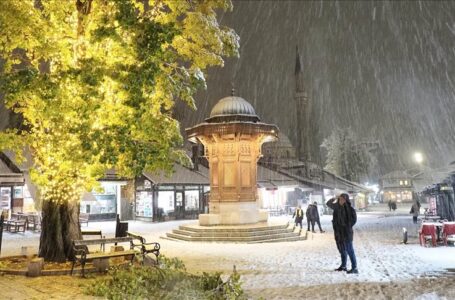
[145, 247]
[82, 254]
[96, 233]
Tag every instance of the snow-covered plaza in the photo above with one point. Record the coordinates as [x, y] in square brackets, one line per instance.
[295, 270]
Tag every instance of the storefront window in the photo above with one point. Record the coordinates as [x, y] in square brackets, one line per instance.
[406, 196]
[191, 200]
[101, 203]
[5, 198]
[166, 201]
[18, 192]
[144, 204]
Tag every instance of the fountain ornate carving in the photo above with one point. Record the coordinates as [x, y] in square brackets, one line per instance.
[232, 137]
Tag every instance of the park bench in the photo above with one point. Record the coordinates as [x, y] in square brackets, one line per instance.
[138, 246]
[96, 233]
[33, 222]
[17, 223]
[14, 226]
[145, 247]
[82, 255]
[92, 233]
[83, 218]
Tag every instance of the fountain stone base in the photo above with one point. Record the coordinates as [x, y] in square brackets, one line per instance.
[233, 213]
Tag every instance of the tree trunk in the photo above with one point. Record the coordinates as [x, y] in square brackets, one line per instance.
[59, 227]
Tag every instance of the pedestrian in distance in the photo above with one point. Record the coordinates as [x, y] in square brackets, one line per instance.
[308, 216]
[298, 215]
[415, 211]
[394, 205]
[314, 215]
[344, 218]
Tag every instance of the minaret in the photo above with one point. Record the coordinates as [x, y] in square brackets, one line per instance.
[302, 111]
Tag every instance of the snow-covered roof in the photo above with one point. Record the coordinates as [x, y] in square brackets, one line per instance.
[233, 106]
[398, 174]
[180, 175]
[270, 178]
[9, 172]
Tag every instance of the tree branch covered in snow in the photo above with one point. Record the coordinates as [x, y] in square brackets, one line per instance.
[347, 156]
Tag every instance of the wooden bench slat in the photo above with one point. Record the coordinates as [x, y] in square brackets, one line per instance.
[91, 232]
[134, 235]
[102, 241]
[110, 254]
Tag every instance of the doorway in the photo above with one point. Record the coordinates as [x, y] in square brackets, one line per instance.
[179, 205]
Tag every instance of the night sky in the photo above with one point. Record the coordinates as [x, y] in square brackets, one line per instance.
[384, 69]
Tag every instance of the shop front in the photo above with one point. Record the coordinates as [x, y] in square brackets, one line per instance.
[170, 202]
[179, 196]
[179, 201]
[396, 187]
[397, 195]
[103, 204]
[11, 186]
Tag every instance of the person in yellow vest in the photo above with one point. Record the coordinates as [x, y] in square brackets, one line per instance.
[298, 214]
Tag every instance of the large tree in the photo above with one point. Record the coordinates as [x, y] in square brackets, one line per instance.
[95, 82]
[347, 156]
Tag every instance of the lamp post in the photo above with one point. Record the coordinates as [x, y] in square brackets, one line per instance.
[418, 157]
[428, 175]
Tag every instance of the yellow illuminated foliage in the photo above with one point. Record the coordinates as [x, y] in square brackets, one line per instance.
[96, 82]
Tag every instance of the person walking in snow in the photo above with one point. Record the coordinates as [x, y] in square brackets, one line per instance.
[415, 211]
[298, 214]
[394, 205]
[308, 216]
[314, 215]
[344, 218]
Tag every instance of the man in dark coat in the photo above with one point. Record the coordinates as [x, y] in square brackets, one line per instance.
[314, 216]
[344, 218]
[308, 216]
[298, 214]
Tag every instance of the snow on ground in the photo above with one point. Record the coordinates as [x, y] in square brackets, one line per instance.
[285, 270]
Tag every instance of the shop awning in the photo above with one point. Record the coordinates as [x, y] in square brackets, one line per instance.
[9, 174]
[267, 185]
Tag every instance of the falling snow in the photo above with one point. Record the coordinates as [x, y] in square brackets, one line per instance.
[385, 69]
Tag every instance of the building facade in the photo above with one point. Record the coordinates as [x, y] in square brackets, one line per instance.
[181, 195]
[396, 187]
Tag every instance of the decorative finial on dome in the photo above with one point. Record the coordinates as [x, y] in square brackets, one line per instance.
[233, 89]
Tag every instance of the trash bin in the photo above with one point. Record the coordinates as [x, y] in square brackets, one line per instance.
[121, 228]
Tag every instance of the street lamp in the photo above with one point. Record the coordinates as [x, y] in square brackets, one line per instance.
[418, 157]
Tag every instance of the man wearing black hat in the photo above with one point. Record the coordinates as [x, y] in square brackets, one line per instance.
[344, 218]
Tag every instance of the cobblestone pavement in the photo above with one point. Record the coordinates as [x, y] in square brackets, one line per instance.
[46, 287]
[397, 271]
[65, 287]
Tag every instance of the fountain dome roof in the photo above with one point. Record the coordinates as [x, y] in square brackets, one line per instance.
[232, 108]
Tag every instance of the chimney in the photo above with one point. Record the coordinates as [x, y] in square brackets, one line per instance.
[195, 157]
